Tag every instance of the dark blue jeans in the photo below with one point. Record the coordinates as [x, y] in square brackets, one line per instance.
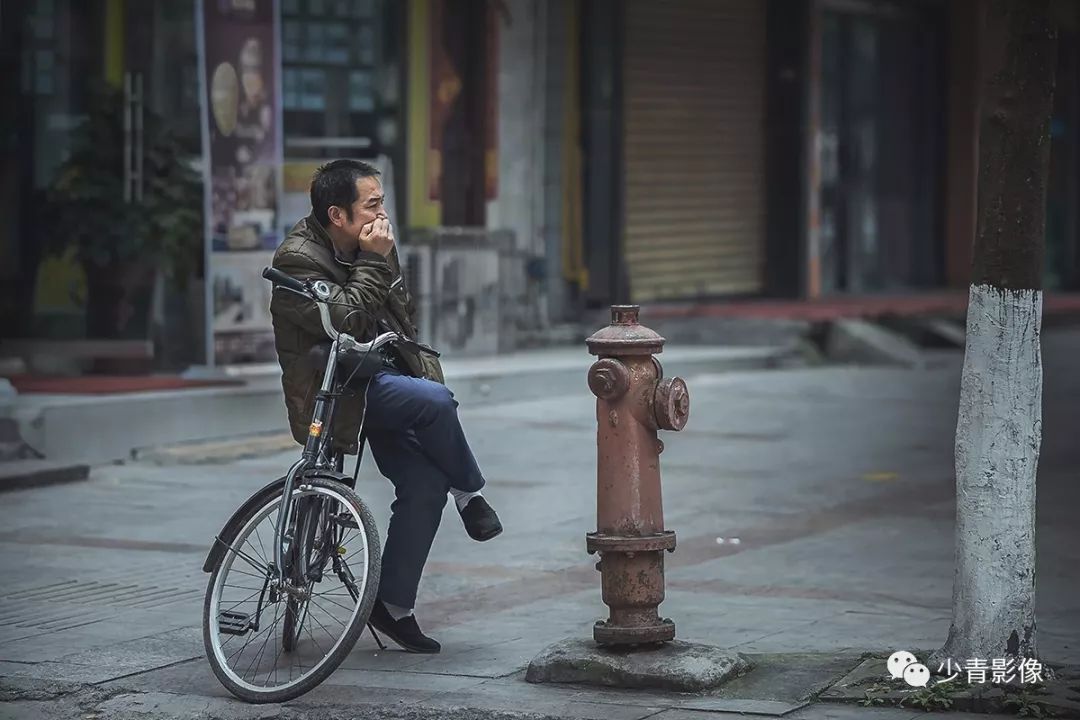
[412, 427]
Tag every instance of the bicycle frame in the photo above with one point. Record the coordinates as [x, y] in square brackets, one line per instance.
[315, 454]
[320, 432]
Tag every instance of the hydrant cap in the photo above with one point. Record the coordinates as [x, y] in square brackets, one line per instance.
[625, 336]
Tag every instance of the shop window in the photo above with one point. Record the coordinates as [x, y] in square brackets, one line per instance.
[339, 76]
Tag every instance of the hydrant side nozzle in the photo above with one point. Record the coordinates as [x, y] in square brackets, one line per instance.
[672, 404]
[609, 379]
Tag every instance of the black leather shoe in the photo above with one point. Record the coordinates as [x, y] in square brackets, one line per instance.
[405, 632]
[480, 520]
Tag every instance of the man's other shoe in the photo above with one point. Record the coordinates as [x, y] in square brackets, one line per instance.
[405, 632]
[480, 520]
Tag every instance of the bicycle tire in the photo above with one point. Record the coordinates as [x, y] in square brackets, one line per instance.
[247, 691]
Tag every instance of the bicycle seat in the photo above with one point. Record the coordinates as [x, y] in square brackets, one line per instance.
[359, 365]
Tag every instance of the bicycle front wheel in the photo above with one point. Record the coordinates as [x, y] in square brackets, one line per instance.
[271, 639]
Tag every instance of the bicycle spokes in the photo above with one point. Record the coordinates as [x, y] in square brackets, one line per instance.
[272, 631]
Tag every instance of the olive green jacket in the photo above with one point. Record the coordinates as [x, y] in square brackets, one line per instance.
[373, 286]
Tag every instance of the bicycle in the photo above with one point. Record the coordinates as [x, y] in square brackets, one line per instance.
[317, 536]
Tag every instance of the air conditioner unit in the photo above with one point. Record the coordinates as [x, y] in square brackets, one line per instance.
[458, 296]
[416, 269]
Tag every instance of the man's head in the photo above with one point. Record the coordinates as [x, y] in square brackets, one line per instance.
[346, 195]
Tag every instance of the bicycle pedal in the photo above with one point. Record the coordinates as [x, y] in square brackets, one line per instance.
[346, 520]
[235, 623]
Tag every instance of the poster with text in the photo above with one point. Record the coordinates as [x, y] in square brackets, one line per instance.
[243, 155]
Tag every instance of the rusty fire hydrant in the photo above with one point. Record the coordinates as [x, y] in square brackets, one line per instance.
[633, 402]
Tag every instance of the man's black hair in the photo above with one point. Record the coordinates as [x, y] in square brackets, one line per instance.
[335, 184]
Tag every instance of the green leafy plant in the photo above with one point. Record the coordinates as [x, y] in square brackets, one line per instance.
[1026, 706]
[120, 242]
[935, 697]
[86, 207]
[870, 700]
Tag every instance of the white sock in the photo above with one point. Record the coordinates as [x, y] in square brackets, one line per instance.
[462, 498]
[396, 611]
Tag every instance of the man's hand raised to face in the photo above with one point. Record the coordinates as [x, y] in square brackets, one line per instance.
[377, 237]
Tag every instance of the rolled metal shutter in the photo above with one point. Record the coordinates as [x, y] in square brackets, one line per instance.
[694, 147]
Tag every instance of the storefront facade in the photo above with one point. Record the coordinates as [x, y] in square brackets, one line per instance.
[740, 149]
[340, 65]
[633, 151]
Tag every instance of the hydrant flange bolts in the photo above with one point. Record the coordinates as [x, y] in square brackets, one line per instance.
[672, 404]
[633, 402]
[609, 379]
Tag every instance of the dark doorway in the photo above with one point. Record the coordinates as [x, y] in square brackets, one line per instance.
[463, 184]
[880, 148]
[1062, 260]
[601, 45]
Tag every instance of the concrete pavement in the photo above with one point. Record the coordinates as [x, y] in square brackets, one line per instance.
[814, 510]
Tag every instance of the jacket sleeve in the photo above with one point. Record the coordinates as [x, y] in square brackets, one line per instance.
[353, 306]
[399, 276]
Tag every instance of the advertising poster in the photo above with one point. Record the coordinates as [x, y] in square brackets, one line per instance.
[242, 137]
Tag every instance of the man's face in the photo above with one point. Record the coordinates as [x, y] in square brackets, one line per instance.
[367, 208]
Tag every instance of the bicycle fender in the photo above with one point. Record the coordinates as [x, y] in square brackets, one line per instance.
[234, 524]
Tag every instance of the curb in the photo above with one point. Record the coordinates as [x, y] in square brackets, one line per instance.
[22, 474]
[479, 387]
[151, 421]
[863, 342]
[216, 451]
[476, 388]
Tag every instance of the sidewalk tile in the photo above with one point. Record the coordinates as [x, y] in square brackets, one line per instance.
[566, 710]
[403, 680]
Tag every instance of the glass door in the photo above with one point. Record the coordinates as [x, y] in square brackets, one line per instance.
[879, 148]
[160, 86]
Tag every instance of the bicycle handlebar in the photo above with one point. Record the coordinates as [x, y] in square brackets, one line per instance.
[279, 278]
[350, 344]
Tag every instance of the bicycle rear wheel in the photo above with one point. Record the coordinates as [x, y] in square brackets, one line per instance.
[270, 640]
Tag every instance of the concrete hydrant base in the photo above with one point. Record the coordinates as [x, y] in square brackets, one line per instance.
[676, 666]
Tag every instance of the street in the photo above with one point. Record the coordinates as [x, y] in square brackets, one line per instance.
[813, 508]
[852, 227]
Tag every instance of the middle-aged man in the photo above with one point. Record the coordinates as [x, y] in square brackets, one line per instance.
[410, 421]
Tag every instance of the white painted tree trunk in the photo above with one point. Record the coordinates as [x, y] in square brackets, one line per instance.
[998, 437]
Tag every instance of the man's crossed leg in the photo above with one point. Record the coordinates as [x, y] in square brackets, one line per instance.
[416, 438]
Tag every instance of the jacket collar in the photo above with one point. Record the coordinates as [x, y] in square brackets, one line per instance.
[323, 238]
